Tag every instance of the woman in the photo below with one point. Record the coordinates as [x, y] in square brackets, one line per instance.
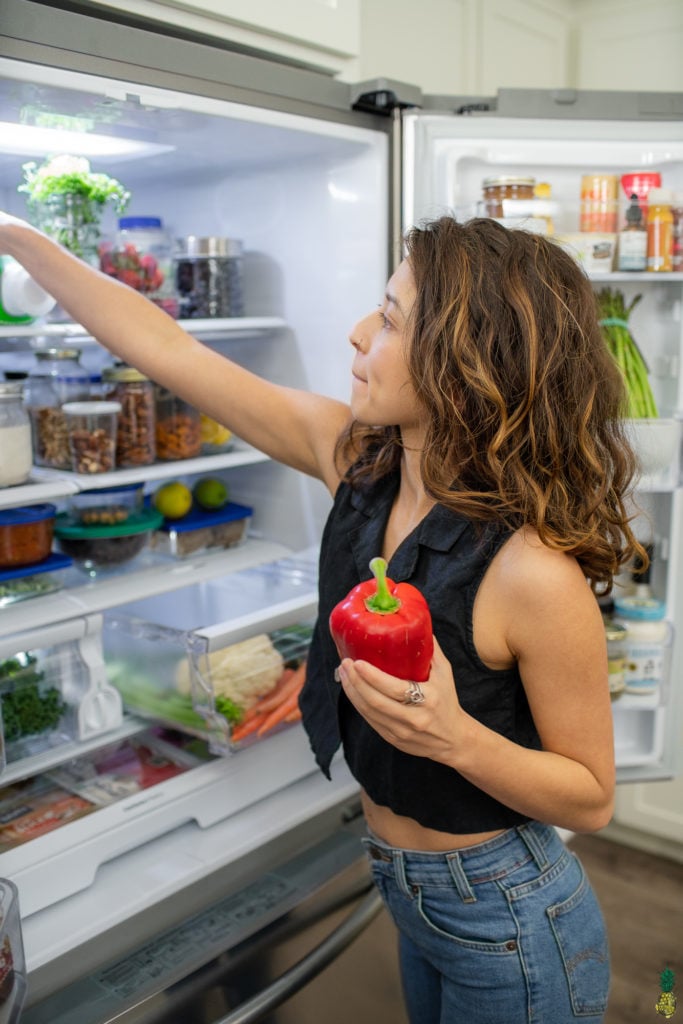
[481, 456]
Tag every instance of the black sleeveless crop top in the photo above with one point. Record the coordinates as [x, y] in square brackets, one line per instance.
[445, 557]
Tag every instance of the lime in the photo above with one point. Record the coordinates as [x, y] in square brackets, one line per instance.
[213, 432]
[210, 492]
[173, 500]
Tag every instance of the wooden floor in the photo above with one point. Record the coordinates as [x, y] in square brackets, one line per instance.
[642, 899]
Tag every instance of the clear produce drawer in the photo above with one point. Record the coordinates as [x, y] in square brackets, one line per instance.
[223, 660]
[54, 689]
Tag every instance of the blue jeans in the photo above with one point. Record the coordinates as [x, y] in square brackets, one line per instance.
[504, 932]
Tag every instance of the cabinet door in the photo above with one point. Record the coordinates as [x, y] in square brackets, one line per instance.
[317, 33]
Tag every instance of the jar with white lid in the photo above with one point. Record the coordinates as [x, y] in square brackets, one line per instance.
[648, 638]
[16, 456]
[208, 277]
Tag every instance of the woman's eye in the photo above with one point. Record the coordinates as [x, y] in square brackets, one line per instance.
[385, 320]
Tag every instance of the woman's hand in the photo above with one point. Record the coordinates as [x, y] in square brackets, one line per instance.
[431, 729]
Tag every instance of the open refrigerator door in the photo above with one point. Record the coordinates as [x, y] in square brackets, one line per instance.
[479, 164]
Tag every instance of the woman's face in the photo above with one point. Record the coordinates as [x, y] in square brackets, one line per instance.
[382, 393]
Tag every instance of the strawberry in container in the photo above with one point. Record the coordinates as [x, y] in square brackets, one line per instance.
[141, 256]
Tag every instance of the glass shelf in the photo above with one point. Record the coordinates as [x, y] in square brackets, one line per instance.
[77, 335]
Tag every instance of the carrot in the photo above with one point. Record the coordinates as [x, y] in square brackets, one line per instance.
[270, 700]
[245, 729]
[279, 714]
[295, 716]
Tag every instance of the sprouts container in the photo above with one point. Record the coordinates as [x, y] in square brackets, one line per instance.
[28, 581]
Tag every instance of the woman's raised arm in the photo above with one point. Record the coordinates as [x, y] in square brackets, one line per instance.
[295, 427]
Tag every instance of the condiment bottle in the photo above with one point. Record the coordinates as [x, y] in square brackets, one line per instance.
[633, 239]
[677, 211]
[505, 187]
[598, 203]
[616, 636]
[660, 230]
[16, 456]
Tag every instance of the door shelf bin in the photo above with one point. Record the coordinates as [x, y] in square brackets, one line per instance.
[12, 961]
[53, 688]
[198, 660]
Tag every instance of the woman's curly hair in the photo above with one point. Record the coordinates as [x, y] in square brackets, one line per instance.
[523, 399]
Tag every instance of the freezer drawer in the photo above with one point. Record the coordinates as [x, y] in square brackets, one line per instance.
[223, 955]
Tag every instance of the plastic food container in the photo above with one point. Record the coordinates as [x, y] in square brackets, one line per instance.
[201, 530]
[16, 453]
[593, 250]
[106, 506]
[33, 581]
[101, 548]
[26, 535]
[92, 435]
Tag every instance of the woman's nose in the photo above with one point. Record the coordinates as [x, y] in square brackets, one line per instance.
[359, 333]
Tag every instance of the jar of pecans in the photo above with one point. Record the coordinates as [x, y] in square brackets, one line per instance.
[135, 437]
[92, 435]
[178, 427]
[57, 378]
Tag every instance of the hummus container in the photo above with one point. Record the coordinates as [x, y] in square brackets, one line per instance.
[26, 535]
[593, 250]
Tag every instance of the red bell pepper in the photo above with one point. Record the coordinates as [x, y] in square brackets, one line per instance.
[387, 624]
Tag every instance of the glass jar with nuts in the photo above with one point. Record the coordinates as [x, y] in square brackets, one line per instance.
[135, 439]
[178, 427]
[92, 435]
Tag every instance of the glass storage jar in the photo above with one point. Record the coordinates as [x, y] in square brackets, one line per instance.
[57, 378]
[505, 187]
[178, 427]
[16, 456]
[208, 277]
[135, 393]
[142, 256]
[616, 635]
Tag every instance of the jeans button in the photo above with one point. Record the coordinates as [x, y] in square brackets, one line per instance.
[511, 945]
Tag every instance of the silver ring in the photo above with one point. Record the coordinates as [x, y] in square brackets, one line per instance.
[414, 694]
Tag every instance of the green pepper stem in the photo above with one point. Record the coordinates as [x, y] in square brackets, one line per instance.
[382, 602]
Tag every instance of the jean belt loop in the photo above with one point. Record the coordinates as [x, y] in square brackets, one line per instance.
[459, 877]
[534, 845]
[400, 872]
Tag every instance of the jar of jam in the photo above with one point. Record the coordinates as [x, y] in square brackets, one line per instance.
[505, 187]
[178, 427]
[136, 430]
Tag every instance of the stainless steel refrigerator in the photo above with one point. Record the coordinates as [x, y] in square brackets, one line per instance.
[172, 906]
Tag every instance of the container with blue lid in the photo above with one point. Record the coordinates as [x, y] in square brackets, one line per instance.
[202, 530]
[142, 257]
[28, 581]
[26, 534]
[648, 642]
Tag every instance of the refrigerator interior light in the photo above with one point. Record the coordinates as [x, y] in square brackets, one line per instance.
[35, 140]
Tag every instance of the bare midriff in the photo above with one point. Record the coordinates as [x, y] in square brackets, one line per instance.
[407, 834]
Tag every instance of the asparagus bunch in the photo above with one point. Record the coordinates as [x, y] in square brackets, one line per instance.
[614, 314]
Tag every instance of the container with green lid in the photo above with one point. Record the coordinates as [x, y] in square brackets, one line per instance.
[104, 547]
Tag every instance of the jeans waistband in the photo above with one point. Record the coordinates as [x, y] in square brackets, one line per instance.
[485, 861]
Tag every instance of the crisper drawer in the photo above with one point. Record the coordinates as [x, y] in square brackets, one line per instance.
[222, 660]
[53, 690]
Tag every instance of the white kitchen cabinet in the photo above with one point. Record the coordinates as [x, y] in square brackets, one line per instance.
[322, 34]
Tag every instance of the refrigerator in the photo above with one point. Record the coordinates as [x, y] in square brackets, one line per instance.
[183, 899]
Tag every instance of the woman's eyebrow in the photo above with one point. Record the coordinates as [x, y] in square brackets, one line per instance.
[394, 301]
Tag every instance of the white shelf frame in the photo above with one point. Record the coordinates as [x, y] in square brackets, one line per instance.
[202, 328]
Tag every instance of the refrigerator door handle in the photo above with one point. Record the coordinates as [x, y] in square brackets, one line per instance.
[309, 967]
